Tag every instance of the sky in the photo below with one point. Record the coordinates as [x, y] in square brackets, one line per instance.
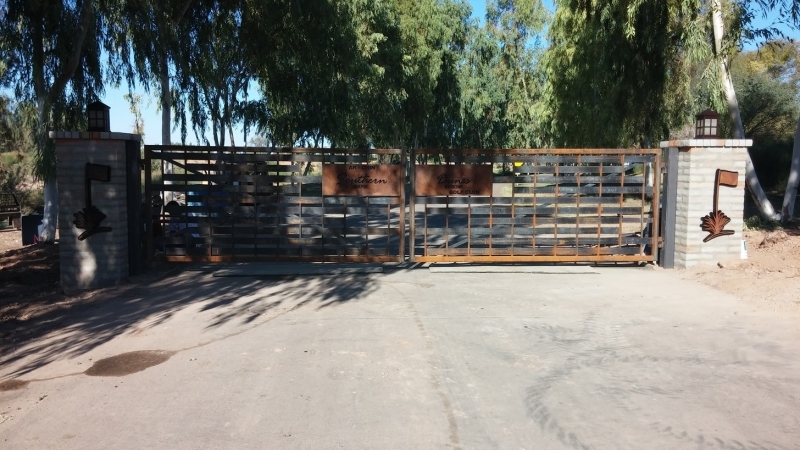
[122, 119]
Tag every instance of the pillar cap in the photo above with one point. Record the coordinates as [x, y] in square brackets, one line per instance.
[94, 135]
[682, 143]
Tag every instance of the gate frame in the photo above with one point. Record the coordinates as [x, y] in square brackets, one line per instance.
[505, 156]
[328, 155]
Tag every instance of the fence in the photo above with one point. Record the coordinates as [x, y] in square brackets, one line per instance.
[549, 205]
[241, 204]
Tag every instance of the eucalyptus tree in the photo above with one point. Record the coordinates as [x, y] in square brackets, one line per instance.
[483, 98]
[502, 84]
[518, 27]
[311, 64]
[733, 23]
[355, 72]
[212, 77]
[616, 70]
[52, 58]
[146, 35]
[433, 35]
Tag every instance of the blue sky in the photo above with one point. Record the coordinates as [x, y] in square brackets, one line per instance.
[122, 119]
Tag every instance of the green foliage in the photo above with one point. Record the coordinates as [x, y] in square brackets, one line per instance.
[212, 78]
[52, 53]
[754, 223]
[17, 152]
[617, 70]
[766, 83]
[502, 84]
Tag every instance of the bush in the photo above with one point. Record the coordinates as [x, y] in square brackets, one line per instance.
[753, 223]
[772, 160]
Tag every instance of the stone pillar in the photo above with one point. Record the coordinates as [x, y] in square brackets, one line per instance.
[100, 259]
[698, 161]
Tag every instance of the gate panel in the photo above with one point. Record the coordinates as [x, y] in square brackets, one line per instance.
[550, 205]
[267, 204]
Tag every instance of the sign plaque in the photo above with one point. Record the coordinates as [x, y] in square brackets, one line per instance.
[460, 180]
[368, 180]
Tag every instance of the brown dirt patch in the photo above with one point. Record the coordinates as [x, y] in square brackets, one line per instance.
[12, 385]
[30, 295]
[10, 238]
[128, 363]
[768, 279]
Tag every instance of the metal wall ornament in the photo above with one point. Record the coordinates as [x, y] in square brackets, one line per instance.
[90, 218]
[714, 223]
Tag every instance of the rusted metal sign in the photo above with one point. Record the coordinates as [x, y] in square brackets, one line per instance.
[714, 223]
[90, 217]
[373, 180]
[460, 180]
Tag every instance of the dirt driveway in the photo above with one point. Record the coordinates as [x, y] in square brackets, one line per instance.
[620, 358]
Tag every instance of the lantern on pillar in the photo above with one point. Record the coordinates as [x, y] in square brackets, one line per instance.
[98, 116]
[707, 125]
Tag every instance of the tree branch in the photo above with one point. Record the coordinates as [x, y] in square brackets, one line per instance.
[182, 13]
[74, 57]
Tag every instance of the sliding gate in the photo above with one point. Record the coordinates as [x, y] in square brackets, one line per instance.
[548, 205]
[270, 204]
[274, 204]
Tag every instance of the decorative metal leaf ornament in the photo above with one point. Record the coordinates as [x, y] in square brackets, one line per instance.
[714, 223]
[89, 219]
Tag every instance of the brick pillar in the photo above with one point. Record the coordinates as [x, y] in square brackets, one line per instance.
[698, 161]
[102, 258]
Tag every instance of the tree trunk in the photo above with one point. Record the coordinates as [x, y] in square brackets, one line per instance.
[166, 117]
[787, 210]
[765, 208]
[50, 219]
[50, 215]
[166, 102]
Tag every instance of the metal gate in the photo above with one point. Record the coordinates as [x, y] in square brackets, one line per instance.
[266, 204]
[548, 205]
[272, 204]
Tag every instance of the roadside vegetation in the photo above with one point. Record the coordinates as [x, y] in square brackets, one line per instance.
[407, 74]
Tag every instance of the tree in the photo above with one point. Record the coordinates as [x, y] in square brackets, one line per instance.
[742, 29]
[765, 84]
[318, 66]
[146, 34]
[17, 149]
[52, 56]
[213, 79]
[502, 85]
[616, 70]
[721, 57]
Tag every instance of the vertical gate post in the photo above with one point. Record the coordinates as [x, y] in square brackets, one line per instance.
[96, 234]
[412, 234]
[148, 206]
[134, 194]
[668, 208]
[402, 224]
[709, 199]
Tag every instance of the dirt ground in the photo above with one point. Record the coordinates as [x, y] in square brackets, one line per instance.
[29, 280]
[29, 286]
[770, 277]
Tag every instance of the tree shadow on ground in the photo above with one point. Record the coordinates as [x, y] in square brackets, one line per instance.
[153, 299]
